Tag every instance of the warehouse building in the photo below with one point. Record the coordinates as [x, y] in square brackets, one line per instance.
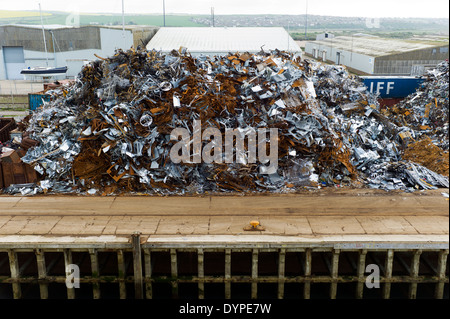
[23, 46]
[324, 36]
[221, 41]
[369, 55]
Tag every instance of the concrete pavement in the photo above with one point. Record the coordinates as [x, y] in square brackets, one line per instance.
[345, 214]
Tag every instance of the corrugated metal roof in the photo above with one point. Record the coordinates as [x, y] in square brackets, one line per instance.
[374, 46]
[39, 26]
[62, 26]
[218, 40]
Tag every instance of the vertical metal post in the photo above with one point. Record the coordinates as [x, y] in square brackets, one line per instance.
[388, 274]
[227, 273]
[442, 265]
[54, 49]
[289, 35]
[174, 272]
[123, 19]
[351, 54]
[414, 273]
[281, 272]
[122, 274]
[137, 265]
[360, 272]
[42, 273]
[95, 273]
[164, 12]
[201, 274]
[148, 274]
[15, 273]
[334, 273]
[306, 21]
[68, 261]
[254, 274]
[308, 262]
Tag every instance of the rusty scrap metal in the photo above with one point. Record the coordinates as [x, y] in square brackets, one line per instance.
[110, 130]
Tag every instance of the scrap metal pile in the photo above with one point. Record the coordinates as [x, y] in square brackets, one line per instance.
[109, 133]
[426, 110]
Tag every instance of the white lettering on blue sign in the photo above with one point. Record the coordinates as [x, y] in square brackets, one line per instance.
[381, 86]
[390, 86]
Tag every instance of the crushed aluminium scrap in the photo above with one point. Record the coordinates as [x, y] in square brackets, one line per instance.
[426, 110]
[110, 131]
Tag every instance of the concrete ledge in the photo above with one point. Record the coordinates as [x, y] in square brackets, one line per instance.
[345, 242]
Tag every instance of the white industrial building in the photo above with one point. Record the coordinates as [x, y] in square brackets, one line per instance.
[23, 46]
[369, 55]
[324, 36]
[221, 41]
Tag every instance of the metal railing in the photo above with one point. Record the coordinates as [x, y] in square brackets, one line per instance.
[193, 270]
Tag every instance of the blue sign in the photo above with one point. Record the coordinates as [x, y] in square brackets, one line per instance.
[391, 87]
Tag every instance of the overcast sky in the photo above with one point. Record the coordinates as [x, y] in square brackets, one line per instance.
[349, 8]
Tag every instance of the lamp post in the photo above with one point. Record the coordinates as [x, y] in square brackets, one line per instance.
[123, 19]
[306, 21]
[164, 12]
[351, 52]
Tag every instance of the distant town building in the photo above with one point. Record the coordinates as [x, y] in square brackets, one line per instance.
[369, 55]
[324, 36]
[221, 41]
[23, 46]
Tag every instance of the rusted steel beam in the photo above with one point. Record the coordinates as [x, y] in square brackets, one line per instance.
[233, 279]
[281, 272]
[227, 273]
[201, 274]
[255, 254]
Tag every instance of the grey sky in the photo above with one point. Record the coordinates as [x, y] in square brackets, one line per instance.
[349, 8]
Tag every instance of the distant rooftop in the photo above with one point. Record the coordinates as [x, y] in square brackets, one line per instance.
[38, 26]
[374, 46]
[215, 40]
[62, 26]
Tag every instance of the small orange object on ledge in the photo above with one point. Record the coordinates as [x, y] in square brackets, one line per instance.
[254, 226]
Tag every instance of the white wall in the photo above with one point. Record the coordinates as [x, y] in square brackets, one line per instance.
[323, 36]
[2, 66]
[111, 39]
[353, 60]
[357, 61]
